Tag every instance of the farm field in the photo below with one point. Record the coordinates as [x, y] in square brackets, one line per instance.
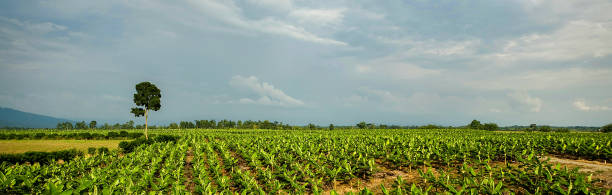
[21, 146]
[456, 161]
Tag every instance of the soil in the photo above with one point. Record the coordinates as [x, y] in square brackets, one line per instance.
[599, 170]
[384, 177]
[188, 171]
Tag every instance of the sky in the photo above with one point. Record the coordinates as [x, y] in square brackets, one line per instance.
[298, 62]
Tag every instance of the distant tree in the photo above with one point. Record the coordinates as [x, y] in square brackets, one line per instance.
[607, 128]
[490, 126]
[92, 124]
[312, 126]
[128, 125]
[187, 125]
[81, 125]
[475, 124]
[430, 126]
[148, 96]
[331, 126]
[106, 126]
[545, 128]
[173, 126]
[362, 125]
[532, 127]
[64, 125]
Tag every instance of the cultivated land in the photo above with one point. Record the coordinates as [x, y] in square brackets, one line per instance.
[21, 146]
[338, 161]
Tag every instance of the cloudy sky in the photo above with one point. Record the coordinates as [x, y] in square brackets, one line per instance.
[396, 62]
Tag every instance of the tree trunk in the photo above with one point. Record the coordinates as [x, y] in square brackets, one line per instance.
[146, 124]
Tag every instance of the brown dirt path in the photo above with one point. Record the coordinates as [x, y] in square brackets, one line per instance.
[188, 171]
[602, 171]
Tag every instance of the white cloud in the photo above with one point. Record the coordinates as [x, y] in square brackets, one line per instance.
[421, 102]
[44, 27]
[581, 104]
[431, 47]
[318, 16]
[274, 26]
[395, 67]
[231, 14]
[269, 95]
[524, 100]
[544, 79]
[575, 40]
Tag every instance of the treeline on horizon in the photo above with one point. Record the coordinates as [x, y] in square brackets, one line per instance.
[275, 125]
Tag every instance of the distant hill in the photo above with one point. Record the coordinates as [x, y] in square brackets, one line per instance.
[15, 118]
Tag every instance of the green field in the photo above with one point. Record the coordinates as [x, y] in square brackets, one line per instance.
[319, 161]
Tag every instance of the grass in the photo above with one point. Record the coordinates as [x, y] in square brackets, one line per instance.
[21, 146]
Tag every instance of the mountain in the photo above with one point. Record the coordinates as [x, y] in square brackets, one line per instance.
[15, 118]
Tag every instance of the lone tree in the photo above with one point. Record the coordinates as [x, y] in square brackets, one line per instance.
[148, 96]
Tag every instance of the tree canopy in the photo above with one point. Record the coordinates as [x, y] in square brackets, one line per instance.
[147, 97]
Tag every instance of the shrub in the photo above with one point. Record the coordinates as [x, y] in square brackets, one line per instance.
[91, 150]
[545, 128]
[562, 130]
[135, 135]
[112, 134]
[490, 126]
[98, 136]
[123, 134]
[39, 135]
[52, 136]
[607, 128]
[85, 135]
[129, 146]
[40, 157]
[103, 150]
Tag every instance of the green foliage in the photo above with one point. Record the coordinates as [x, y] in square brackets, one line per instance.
[148, 96]
[490, 127]
[607, 128]
[361, 125]
[187, 125]
[93, 124]
[103, 150]
[40, 157]
[129, 146]
[91, 150]
[64, 125]
[545, 128]
[475, 124]
[81, 125]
